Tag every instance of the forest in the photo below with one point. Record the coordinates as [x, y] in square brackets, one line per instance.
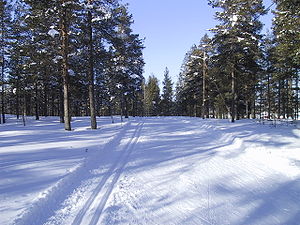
[218, 145]
[81, 58]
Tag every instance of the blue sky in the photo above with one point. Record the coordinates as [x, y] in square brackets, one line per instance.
[170, 28]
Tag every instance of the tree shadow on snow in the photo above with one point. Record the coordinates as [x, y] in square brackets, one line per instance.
[196, 142]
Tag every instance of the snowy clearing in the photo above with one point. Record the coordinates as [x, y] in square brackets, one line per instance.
[172, 170]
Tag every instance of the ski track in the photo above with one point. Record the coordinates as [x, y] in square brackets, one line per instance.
[230, 189]
[44, 206]
[105, 191]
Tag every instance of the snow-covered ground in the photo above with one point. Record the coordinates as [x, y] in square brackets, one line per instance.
[174, 170]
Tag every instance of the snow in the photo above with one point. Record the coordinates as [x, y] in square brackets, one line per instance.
[167, 170]
[119, 86]
[234, 19]
[52, 32]
[240, 39]
[71, 72]
[134, 76]
[96, 19]
[106, 16]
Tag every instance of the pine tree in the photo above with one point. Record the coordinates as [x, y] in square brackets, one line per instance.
[41, 56]
[38, 49]
[5, 24]
[237, 41]
[98, 16]
[74, 48]
[179, 96]
[127, 61]
[287, 38]
[190, 94]
[205, 47]
[66, 12]
[152, 97]
[18, 77]
[167, 95]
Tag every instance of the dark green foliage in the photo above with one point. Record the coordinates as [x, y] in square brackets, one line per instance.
[167, 95]
[286, 57]
[152, 97]
[73, 50]
[84, 51]
[244, 74]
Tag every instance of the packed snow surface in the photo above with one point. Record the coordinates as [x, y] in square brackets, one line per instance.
[146, 171]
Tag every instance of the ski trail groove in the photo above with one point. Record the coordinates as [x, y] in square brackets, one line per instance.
[115, 171]
[62, 189]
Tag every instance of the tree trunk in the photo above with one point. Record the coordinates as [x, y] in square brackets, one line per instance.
[247, 109]
[52, 109]
[61, 106]
[297, 97]
[36, 102]
[203, 86]
[91, 71]
[254, 107]
[24, 114]
[3, 87]
[269, 97]
[125, 107]
[111, 113]
[18, 97]
[233, 96]
[284, 99]
[122, 107]
[2, 67]
[290, 98]
[45, 105]
[134, 106]
[65, 66]
[279, 100]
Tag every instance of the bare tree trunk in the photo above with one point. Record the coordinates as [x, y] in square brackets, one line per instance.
[24, 114]
[3, 87]
[122, 107]
[194, 108]
[279, 100]
[125, 107]
[91, 71]
[233, 96]
[285, 99]
[254, 107]
[134, 108]
[2, 67]
[36, 102]
[18, 97]
[111, 113]
[204, 86]
[65, 66]
[61, 106]
[52, 110]
[260, 101]
[290, 104]
[45, 106]
[46, 102]
[297, 97]
[247, 109]
[269, 97]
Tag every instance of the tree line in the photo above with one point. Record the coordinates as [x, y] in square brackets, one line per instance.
[69, 58]
[80, 57]
[239, 72]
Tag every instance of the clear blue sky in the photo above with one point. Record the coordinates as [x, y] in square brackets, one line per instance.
[171, 27]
